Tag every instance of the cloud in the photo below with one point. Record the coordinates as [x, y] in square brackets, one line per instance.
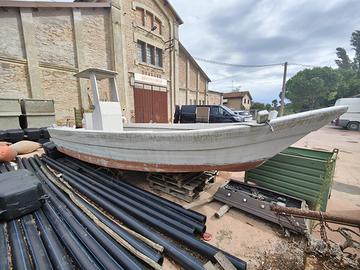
[265, 31]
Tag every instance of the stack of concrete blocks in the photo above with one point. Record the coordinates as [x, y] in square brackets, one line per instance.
[37, 113]
[10, 112]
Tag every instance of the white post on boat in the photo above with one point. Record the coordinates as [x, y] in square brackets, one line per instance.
[107, 115]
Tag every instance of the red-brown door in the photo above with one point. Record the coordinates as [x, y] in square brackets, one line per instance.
[150, 106]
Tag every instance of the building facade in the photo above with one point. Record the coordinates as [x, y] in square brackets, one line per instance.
[45, 43]
[214, 97]
[238, 100]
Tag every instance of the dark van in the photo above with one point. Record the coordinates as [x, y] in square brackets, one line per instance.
[209, 114]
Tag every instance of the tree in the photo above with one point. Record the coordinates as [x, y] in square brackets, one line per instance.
[274, 104]
[313, 88]
[260, 106]
[321, 87]
[344, 61]
[355, 42]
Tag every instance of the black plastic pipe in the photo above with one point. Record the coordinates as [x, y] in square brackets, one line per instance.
[94, 247]
[38, 252]
[113, 248]
[192, 242]
[170, 213]
[20, 256]
[76, 216]
[137, 244]
[4, 260]
[187, 212]
[180, 256]
[3, 168]
[203, 248]
[57, 254]
[129, 201]
[78, 252]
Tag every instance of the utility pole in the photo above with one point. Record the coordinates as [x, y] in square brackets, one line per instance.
[282, 105]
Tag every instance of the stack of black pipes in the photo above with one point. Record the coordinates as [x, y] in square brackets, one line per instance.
[32, 241]
[88, 245]
[136, 207]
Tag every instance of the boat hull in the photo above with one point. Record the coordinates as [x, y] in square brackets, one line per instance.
[190, 148]
[170, 168]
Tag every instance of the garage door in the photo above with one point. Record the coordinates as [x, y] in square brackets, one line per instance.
[150, 106]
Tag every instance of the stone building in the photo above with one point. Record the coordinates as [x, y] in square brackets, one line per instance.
[214, 97]
[43, 44]
[238, 100]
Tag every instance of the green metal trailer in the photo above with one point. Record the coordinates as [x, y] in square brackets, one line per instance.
[302, 173]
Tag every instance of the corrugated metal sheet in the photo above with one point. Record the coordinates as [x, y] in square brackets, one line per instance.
[302, 173]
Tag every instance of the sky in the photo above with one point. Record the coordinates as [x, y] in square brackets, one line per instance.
[252, 32]
[264, 32]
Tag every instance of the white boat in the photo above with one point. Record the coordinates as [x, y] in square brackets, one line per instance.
[186, 147]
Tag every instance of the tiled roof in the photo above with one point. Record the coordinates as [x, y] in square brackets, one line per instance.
[237, 94]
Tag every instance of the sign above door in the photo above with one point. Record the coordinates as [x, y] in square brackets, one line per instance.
[149, 79]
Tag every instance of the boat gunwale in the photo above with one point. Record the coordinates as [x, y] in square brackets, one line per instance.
[338, 110]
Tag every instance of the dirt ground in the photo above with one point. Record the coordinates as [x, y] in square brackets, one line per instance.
[263, 244]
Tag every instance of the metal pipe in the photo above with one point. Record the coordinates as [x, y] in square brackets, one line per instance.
[76, 216]
[20, 257]
[199, 227]
[57, 254]
[174, 206]
[317, 215]
[203, 248]
[77, 250]
[38, 252]
[129, 201]
[4, 260]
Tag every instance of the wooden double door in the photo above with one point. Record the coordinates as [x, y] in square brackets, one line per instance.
[150, 106]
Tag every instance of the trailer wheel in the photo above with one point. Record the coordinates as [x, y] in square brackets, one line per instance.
[353, 126]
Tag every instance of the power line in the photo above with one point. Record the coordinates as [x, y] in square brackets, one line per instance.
[236, 65]
[248, 66]
[302, 65]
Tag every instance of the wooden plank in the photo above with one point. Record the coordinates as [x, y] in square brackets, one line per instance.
[222, 211]
[223, 261]
[182, 196]
[199, 203]
[209, 266]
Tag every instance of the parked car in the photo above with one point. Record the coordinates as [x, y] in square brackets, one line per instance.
[216, 114]
[244, 114]
[351, 119]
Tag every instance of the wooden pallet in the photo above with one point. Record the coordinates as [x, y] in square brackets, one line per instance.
[185, 186]
[168, 190]
[188, 189]
[176, 179]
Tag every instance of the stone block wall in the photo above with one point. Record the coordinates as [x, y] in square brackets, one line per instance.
[56, 59]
